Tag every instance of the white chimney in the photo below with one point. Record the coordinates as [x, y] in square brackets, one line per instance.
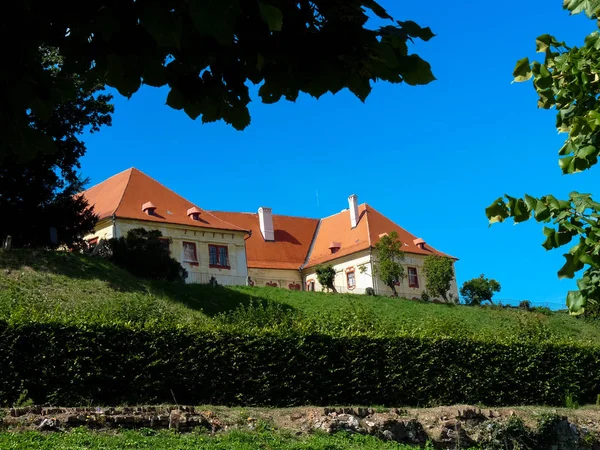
[265, 218]
[353, 202]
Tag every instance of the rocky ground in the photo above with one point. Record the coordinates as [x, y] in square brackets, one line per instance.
[447, 427]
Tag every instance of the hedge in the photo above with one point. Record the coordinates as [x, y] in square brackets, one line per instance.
[108, 365]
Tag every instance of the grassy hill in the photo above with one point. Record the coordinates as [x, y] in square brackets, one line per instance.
[71, 288]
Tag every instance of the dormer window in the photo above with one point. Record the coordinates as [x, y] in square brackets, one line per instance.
[334, 247]
[194, 213]
[149, 208]
[419, 243]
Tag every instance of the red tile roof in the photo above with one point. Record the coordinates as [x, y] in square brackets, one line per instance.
[296, 238]
[371, 226]
[293, 236]
[123, 195]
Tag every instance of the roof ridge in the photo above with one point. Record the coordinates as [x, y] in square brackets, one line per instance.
[131, 169]
[256, 214]
[311, 246]
[103, 181]
[368, 227]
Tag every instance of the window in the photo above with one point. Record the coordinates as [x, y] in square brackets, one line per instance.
[166, 244]
[310, 285]
[218, 256]
[189, 253]
[413, 278]
[350, 279]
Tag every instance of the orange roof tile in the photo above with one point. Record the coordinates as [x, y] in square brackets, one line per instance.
[372, 225]
[293, 236]
[123, 195]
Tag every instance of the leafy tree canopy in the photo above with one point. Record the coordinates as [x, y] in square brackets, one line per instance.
[479, 290]
[439, 273]
[388, 267]
[206, 51]
[326, 277]
[569, 80]
[40, 193]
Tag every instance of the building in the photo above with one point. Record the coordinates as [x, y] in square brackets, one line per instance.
[260, 249]
[205, 245]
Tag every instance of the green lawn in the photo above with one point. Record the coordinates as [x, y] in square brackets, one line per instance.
[57, 286]
[165, 440]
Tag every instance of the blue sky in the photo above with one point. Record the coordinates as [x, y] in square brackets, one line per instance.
[431, 158]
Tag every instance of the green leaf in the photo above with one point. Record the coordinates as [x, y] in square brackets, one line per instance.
[215, 18]
[576, 302]
[272, 16]
[376, 8]
[571, 266]
[175, 99]
[414, 30]
[415, 71]
[497, 211]
[542, 213]
[359, 86]
[238, 116]
[522, 70]
[543, 42]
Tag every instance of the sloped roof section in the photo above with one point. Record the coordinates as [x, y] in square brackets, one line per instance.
[123, 195]
[371, 226]
[337, 228]
[293, 236]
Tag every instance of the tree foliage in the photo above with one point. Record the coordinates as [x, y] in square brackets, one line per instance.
[479, 290]
[40, 193]
[389, 254]
[326, 277]
[569, 80]
[439, 273]
[143, 254]
[205, 51]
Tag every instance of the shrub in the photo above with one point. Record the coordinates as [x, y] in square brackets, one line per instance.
[439, 273]
[370, 291]
[525, 304]
[142, 254]
[326, 277]
[479, 290]
[425, 296]
[283, 366]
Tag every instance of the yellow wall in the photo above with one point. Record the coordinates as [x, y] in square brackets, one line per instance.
[417, 261]
[363, 280]
[201, 273]
[283, 278]
[366, 279]
[104, 230]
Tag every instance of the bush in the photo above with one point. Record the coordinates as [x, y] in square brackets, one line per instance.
[478, 290]
[370, 291]
[142, 254]
[525, 304]
[425, 297]
[283, 366]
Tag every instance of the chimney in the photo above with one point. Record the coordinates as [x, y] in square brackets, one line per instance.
[148, 208]
[353, 202]
[265, 218]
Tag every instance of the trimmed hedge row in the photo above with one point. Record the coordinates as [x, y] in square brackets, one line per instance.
[108, 365]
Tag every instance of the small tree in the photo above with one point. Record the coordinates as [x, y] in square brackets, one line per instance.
[439, 272]
[389, 253]
[142, 254]
[326, 277]
[479, 290]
